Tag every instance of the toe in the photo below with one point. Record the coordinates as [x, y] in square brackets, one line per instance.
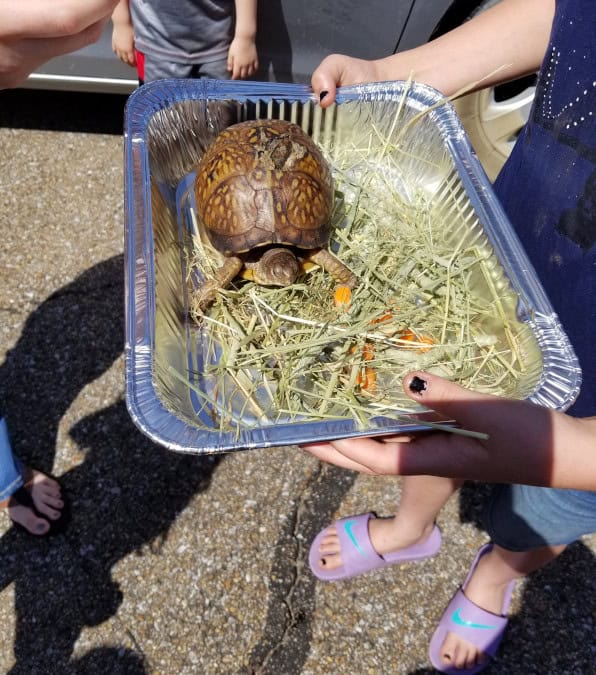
[330, 550]
[48, 506]
[452, 651]
[470, 656]
[462, 656]
[329, 535]
[46, 495]
[330, 562]
[49, 500]
[48, 491]
[459, 653]
[46, 510]
[330, 546]
[46, 482]
[37, 478]
[475, 658]
[26, 517]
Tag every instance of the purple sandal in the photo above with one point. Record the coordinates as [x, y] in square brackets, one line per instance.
[357, 552]
[464, 618]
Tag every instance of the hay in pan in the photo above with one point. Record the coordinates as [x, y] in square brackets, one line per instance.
[431, 295]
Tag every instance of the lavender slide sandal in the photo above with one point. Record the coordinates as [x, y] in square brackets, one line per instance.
[464, 618]
[357, 553]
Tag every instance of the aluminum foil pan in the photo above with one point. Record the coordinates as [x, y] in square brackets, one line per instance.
[168, 125]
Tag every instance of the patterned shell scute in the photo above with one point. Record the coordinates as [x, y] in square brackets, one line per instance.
[264, 182]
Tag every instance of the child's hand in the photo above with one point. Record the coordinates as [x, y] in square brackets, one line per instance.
[527, 443]
[123, 43]
[338, 70]
[242, 58]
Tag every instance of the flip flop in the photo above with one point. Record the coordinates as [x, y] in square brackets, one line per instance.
[357, 552]
[472, 623]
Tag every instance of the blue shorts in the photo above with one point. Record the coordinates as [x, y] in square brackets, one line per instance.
[522, 517]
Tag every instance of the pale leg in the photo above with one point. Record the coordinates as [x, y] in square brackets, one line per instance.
[421, 500]
[487, 588]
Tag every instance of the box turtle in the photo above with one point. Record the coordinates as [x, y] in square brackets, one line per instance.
[264, 196]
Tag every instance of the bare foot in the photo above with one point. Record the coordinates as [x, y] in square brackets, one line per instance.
[483, 591]
[44, 493]
[384, 535]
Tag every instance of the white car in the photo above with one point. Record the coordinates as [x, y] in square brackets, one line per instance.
[293, 37]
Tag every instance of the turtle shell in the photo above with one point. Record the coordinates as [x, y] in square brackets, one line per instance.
[264, 182]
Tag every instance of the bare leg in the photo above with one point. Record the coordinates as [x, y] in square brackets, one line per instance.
[421, 500]
[487, 589]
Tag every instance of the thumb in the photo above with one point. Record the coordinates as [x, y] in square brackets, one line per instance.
[325, 80]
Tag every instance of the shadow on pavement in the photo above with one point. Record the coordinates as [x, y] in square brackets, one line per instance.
[554, 630]
[125, 494]
[62, 111]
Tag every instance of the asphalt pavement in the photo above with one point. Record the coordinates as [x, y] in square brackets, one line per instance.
[186, 564]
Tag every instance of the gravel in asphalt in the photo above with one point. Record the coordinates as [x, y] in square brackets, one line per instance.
[181, 564]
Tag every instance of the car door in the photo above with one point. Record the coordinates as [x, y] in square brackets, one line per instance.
[293, 37]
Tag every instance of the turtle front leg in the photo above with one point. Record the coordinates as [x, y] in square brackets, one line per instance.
[207, 292]
[334, 266]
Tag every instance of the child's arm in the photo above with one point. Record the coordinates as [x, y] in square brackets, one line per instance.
[507, 41]
[526, 443]
[123, 41]
[242, 55]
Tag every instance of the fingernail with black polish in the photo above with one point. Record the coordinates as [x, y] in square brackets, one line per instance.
[417, 385]
[322, 95]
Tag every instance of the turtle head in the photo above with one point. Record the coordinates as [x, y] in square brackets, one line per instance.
[276, 267]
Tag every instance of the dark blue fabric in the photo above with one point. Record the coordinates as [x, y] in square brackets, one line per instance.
[548, 185]
[521, 517]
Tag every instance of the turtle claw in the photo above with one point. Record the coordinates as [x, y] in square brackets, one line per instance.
[204, 297]
[206, 294]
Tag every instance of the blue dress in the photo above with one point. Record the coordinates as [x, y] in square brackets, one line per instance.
[548, 189]
[548, 185]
